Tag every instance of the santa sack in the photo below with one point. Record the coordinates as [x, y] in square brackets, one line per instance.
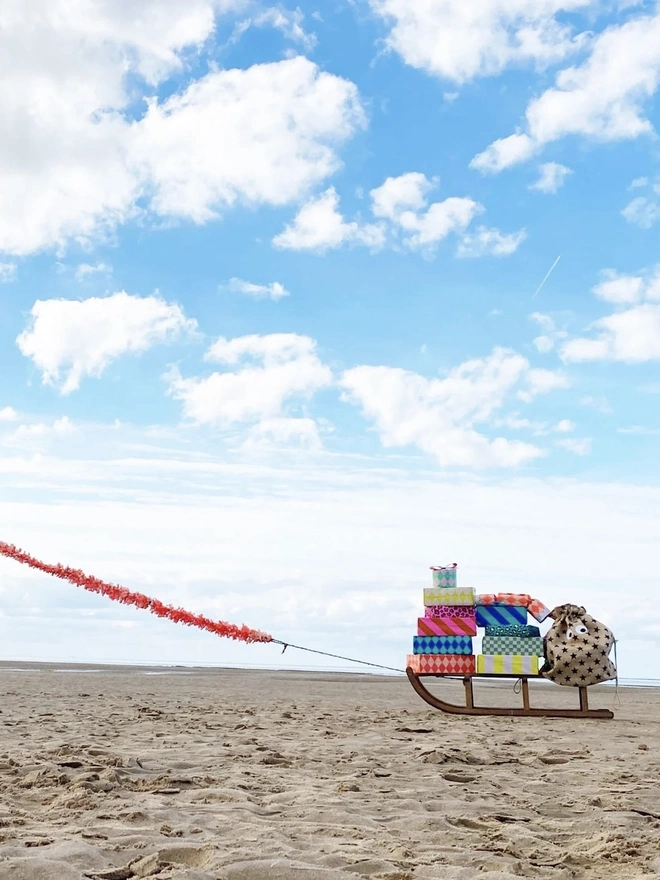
[577, 649]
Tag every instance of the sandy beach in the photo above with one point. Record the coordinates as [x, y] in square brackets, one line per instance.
[118, 773]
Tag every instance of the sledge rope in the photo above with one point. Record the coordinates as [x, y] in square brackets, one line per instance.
[178, 615]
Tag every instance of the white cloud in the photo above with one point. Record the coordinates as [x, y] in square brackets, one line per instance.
[644, 211]
[441, 416]
[289, 22]
[403, 202]
[631, 334]
[319, 226]
[539, 381]
[490, 242]
[565, 426]
[601, 404]
[619, 289]
[70, 339]
[403, 217]
[36, 430]
[8, 414]
[84, 270]
[275, 290]
[8, 272]
[544, 344]
[547, 341]
[504, 152]
[461, 41]
[603, 98]
[639, 430]
[407, 192]
[284, 431]
[74, 160]
[577, 445]
[551, 177]
[273, 369]
[263, 135]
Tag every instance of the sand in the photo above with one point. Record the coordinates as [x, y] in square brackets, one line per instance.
[241, 775]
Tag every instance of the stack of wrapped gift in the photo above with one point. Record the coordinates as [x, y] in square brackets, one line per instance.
[443, 643]
[510, 646]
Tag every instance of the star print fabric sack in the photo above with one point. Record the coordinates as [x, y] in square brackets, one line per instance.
[577, 649]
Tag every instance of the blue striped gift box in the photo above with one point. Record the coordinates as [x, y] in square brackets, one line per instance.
[500, 615]
[442, 645]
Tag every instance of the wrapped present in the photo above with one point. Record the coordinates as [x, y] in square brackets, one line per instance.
[442, 664]
[507, 664]
[467, 611]
[524, 645]
[515, 629]
[504, 615]
[442, 645]
[447, 626]
[536, 609]
[449, 596]
[517, 599]
[444, 575]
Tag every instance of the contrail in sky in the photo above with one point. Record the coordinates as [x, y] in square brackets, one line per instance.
[548, 274]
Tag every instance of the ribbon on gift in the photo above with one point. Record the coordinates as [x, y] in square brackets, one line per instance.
[501, 615]
[514, 629]
[441, 664]
[446, 626]
[507, 664]
[512, 645]
[466, 611]
[536, 608]
[449, 596]
[442, 645]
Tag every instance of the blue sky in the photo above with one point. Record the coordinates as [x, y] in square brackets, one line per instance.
[276, 271]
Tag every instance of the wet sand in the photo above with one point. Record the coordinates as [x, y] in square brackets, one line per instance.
[206, 774]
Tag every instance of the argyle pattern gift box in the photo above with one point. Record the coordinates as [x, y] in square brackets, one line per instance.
[446, 626]
[441, 664]
[444, 575]
[449, 596]
[512, 645]
[442, 645]
[507, 664]
[502, 615]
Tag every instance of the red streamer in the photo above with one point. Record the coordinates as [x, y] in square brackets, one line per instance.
[127, 597]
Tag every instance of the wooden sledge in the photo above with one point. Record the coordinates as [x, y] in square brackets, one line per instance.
[526, 710]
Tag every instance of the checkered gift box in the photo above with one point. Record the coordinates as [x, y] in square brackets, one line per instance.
[507, 664]
[502, 615]
[442, 645]
[512, 645]
[444, 575]
[441, 664]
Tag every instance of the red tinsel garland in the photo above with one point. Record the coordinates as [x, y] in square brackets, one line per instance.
[127, 597]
